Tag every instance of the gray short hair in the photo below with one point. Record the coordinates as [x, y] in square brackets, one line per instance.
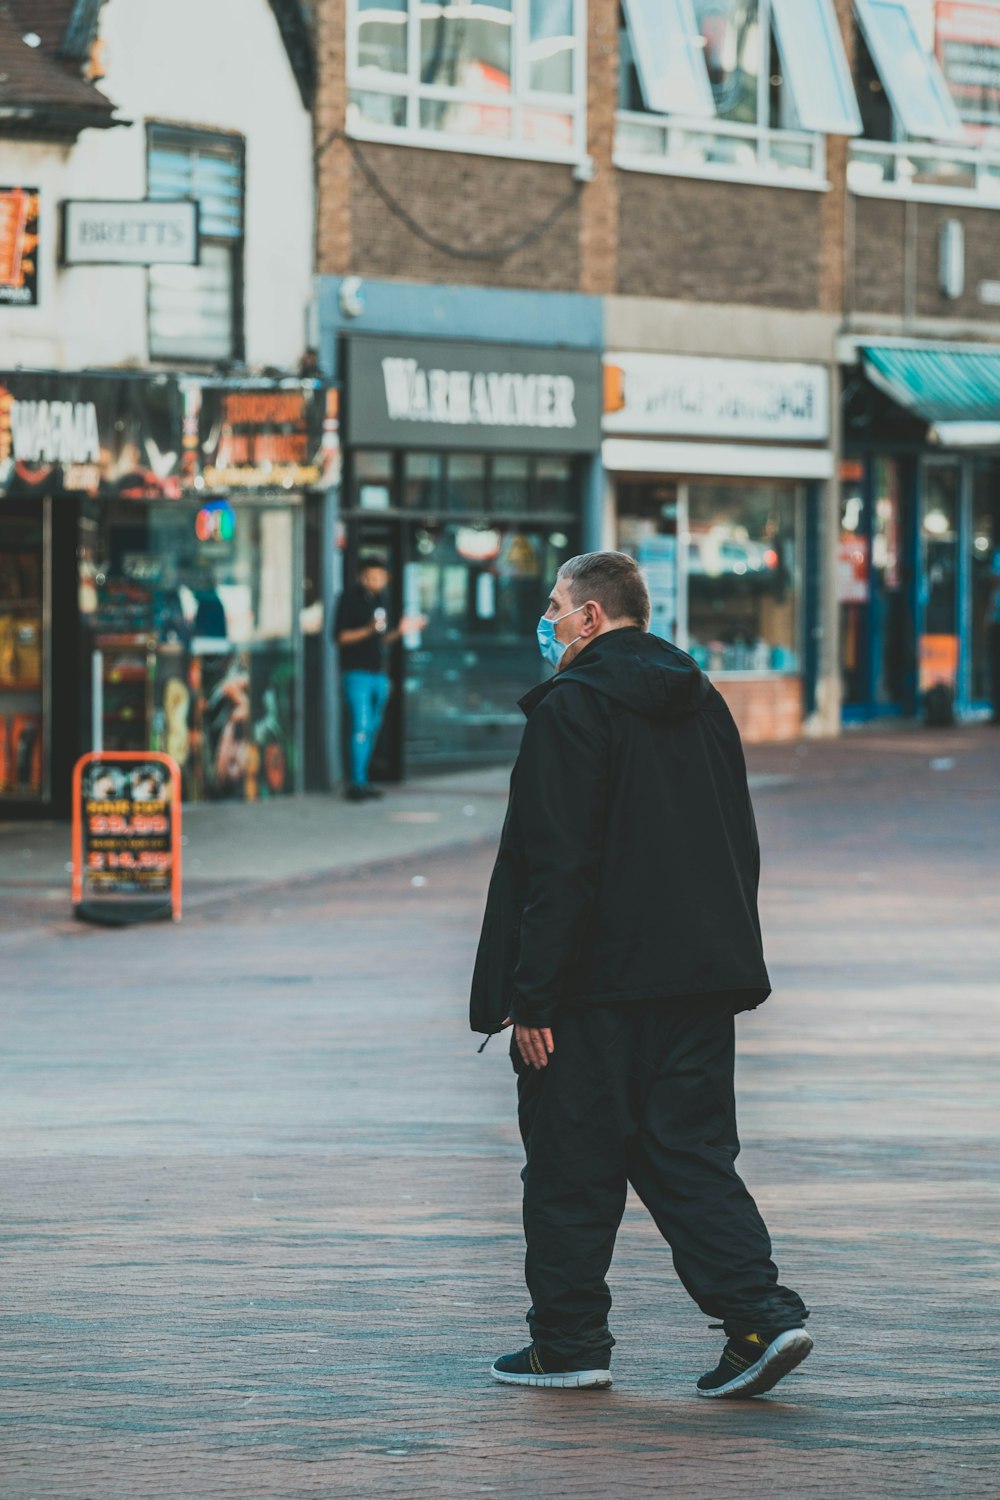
[613, 580]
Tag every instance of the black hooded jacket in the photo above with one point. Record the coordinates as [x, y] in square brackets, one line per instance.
[628, 863]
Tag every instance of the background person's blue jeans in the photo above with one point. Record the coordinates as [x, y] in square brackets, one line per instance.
[366, 695]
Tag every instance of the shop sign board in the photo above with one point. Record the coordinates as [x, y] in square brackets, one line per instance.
[968, 49]
[19, 246]
[89, 435]
[418, 393]
[143, 233]
[938, 662]
[673, 395]
[126, 836]
[274, 437]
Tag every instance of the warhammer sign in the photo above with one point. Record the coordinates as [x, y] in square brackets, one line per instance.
[413, 392]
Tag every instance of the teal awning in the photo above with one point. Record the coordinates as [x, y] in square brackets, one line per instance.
[940, 384]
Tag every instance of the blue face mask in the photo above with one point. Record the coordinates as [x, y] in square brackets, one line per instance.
[551, 649]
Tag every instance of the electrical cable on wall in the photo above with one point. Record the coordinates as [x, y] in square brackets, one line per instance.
[458, 252]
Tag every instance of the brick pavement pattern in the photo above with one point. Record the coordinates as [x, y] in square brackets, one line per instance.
[260, 1206]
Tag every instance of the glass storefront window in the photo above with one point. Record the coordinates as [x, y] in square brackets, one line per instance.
[372, 480]
[23, 771]
[465, 482]
[510, 486]
[554, 480]
[422, 481]
[192, 610]
[742, 577]
[939, 537]
[482, 588]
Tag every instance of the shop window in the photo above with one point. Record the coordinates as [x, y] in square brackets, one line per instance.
[371, 480]
[24, 767]
[465, 483]
[984, 570]
[732, 87]
[502, 75]
[510, 486]
[423, 475]
[196, 312]
[743, 578]
[915, 143]
[191, 610]
[554, 485]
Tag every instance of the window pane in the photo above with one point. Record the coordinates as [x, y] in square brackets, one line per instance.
[669, 56]
[912, 78]
[465, 488]
[207, 170]
[734, 52]
[509, 490]
[554, 479]
[455, 118]
[376, 109]
[985, 583]
[422, 474]
[742, 583]
[191, 308]
[382, 35]
[551, 46]
[815, 66]
[467, 45]
[546, 126]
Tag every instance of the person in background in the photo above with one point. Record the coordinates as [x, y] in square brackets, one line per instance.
[362, 630]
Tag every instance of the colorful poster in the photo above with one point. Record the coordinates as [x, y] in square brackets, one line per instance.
[126, 827]
[18, 247]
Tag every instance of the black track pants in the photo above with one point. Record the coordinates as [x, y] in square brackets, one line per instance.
[643, 1094]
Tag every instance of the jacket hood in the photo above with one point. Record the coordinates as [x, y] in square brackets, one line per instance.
[641, 671]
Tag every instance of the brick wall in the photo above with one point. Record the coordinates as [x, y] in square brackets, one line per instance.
[877, 258]
[471, 202]
[718, 242]
[982, 260]
[767, 710]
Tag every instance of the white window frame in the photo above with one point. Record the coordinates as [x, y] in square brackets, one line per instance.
[407, 86]
[897, 160]
[764, 169]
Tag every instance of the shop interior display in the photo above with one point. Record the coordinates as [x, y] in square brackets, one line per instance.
[21, 664]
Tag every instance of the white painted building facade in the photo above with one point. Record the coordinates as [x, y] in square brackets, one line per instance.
[197, 73]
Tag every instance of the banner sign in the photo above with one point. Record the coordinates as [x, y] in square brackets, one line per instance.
[417, 393]
[146, 233]
[968, 49]
[681, 396]
[18, 247]
[89, 435]
[127, 833]
[269, 437]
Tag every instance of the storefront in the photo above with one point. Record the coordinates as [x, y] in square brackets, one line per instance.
[919, 562]
[716, 468]
[151, 579]
[467, 464]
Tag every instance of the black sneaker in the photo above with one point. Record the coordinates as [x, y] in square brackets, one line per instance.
[528, 1367]
[372, 791]
[355, 793]
[751, 1366]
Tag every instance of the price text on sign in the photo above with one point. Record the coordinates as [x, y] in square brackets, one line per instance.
[126, 826]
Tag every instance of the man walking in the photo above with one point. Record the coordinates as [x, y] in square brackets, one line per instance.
[362, 632]
[621, 937]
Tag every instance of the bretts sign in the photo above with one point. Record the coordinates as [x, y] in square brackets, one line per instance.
[146, 233]
[414, 393]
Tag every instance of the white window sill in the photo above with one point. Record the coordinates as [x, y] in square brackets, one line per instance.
[665, 166]
[957, 197]
[392, 135]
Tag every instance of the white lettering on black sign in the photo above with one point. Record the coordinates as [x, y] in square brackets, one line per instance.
[462, 399]
[55, 432]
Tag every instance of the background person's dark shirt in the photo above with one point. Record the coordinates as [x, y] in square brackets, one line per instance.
[355, 609]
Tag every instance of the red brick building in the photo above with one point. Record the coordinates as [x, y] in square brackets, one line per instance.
[787, 210]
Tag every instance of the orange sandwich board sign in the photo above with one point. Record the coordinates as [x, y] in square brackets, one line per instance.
[126, 837]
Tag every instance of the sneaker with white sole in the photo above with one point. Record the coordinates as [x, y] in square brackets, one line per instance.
[750, 1366]
[529, 1367]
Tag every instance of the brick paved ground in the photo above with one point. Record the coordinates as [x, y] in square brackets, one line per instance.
[259, 1195]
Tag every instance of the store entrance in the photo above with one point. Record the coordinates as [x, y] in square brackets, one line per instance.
[24, 731]
[875, 590]
[481, 586]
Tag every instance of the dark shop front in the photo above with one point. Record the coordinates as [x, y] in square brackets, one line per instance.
[467, 465]
[151, 579]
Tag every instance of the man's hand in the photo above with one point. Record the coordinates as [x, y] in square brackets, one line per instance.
[534, 1043]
